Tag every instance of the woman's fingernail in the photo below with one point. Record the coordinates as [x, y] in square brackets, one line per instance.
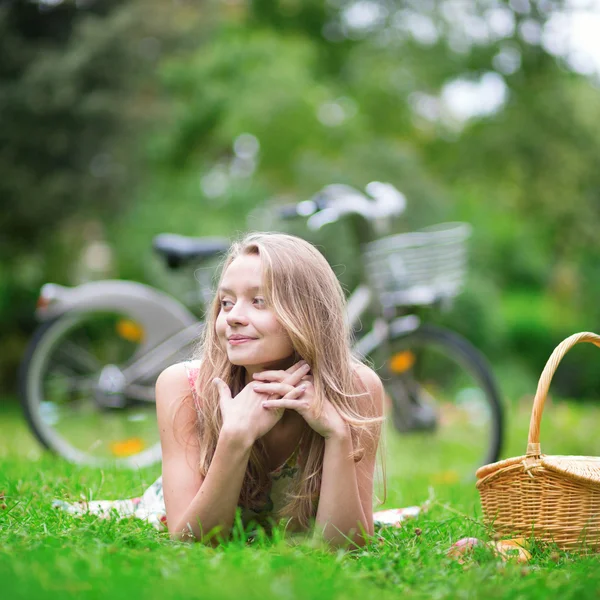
[264, 404]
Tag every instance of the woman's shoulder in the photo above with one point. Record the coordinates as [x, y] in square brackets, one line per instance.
[173, 378]
[371, 383]
[367, 376]
[178, 370]
[178, 380]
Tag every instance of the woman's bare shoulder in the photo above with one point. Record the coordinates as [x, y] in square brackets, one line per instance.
[173, 377]
[367, 376]
[174, 383]
[174, 403]
[371, 382]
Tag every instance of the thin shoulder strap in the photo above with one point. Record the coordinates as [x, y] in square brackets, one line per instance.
[192, 375]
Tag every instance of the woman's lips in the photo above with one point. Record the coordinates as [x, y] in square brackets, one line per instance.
[238, 341]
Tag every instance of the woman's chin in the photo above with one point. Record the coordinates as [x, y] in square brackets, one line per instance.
[241, 360]
[245, 362]
[255, 361]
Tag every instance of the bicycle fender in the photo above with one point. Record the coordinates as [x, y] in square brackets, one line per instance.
[159, 314]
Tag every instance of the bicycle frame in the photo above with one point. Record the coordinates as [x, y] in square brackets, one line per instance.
[382, 330]
[169, 327]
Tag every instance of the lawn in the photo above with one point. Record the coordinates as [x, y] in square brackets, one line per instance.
[45, 553]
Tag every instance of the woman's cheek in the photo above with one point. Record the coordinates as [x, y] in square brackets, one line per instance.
[284, 342]
[220, 327]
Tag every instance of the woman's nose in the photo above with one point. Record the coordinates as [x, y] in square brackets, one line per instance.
[236, 316]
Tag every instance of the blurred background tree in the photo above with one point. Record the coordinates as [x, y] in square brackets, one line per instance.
[76, 91]
[119, 120]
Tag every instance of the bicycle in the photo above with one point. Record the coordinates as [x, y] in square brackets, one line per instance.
[87, 378]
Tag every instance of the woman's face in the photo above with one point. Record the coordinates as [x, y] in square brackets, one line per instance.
[247, 329]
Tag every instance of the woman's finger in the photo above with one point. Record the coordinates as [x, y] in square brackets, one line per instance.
[290, 403]
[296, 377]
[292, 395]
[279, 375]
[295, 392]
[274, 376]
[223, 388]
[280, 389]
[296, 366]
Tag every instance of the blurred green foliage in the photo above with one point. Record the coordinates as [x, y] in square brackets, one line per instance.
[123, 120]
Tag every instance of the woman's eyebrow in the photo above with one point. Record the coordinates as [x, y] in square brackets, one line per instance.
[227, 290]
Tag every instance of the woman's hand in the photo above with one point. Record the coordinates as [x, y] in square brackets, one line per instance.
[329, 423]
[244, 416]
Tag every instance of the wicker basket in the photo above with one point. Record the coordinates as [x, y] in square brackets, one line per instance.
[552, 498]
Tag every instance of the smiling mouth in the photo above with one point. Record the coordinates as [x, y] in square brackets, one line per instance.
[237, 341]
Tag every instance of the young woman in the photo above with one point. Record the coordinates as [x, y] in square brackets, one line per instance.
[275, 417]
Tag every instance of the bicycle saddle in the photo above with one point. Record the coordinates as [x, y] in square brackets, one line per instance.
[179, 250]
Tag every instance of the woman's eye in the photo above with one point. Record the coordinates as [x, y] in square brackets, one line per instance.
[259, 301]
[226, 304]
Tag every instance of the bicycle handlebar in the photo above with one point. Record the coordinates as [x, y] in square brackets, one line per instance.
[287, 211]
[336, 200]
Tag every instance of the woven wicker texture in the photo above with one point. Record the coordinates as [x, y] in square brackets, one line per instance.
[554, 498]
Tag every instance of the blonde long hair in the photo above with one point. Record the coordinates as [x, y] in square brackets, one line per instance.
[303, 291]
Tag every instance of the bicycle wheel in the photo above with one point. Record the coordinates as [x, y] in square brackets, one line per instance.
[444, 402]
[74, 395]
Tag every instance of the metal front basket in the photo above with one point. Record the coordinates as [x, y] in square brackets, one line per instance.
[420, 267]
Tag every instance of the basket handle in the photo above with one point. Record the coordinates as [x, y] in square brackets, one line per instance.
[533, 441]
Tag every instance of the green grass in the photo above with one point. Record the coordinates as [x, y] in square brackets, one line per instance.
[45, 553]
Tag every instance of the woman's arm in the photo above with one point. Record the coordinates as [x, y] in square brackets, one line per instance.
[195, 505]
[215, 503]
[345, 507]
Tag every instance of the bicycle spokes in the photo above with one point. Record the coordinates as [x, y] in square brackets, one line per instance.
[87, 407]
[440, 399]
